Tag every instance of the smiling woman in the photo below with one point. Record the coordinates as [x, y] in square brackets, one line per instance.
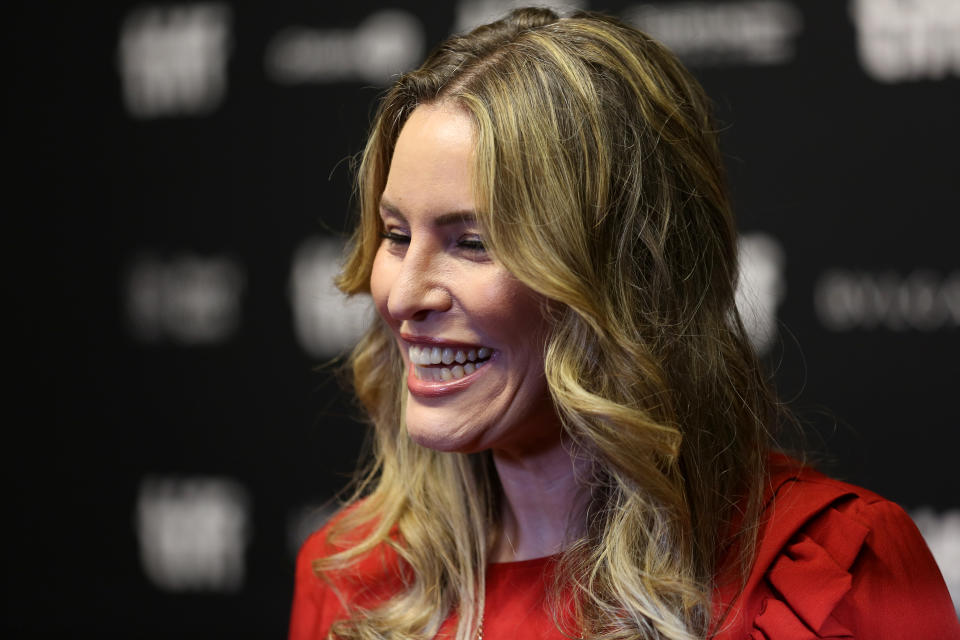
[573, 436]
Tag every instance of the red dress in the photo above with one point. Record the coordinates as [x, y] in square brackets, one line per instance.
[833, 561]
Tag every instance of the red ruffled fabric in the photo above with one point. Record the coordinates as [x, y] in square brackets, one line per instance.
[809, 579]
[836, 561]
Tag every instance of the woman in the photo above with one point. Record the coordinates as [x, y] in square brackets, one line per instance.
[572, 431]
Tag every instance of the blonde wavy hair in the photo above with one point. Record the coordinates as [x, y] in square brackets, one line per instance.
[599, 185]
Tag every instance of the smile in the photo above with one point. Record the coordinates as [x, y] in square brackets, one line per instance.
[464, 361]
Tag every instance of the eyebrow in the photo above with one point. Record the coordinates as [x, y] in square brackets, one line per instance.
[445, 219]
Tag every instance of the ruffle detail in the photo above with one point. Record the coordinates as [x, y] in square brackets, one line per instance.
[809, 578]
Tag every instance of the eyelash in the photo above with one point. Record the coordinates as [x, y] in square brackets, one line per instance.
[395, 238]
[400, 239]
[472, 245]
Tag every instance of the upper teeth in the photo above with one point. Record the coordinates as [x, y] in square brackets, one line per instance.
[446, 355]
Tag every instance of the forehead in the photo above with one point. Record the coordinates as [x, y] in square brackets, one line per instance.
[431, 169]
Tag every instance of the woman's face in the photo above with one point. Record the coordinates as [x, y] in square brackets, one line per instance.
[471, 335]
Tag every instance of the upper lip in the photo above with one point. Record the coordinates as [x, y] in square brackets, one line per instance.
[438, 342]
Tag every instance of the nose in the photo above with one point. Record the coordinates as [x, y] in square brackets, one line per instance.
[419, 288]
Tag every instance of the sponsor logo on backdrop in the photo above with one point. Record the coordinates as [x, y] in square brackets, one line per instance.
[325, 321]
[761, 287]
[186, 299]
[922, 300]
[473, 13]
[173, 59]
[193, 532]
[761, 32]
[941, 531]
[906, 40]
[386, 43]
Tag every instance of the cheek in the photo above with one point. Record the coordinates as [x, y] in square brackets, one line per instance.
[524, 310]
[515, 314]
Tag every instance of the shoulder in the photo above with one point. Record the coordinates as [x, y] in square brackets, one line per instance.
[315, 604]
[322, 597]
[840, 561]
[799, 498]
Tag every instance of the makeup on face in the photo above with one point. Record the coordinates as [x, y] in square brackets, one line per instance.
[470, 333]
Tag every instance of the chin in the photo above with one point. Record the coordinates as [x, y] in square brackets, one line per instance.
[441, 437]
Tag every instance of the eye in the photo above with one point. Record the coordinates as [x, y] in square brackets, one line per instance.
[395, 238]
[471, 242]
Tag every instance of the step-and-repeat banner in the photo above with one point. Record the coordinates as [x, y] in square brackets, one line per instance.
[179, 180]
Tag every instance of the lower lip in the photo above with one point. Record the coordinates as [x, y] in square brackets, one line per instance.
[433, 389]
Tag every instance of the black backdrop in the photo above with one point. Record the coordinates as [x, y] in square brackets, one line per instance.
[178, 179]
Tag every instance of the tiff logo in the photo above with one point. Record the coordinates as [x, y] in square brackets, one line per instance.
[186, 299]
[326, 322]
[941, 531]
[193, 532]
[761, 287]
[173, 59]
[903, 40]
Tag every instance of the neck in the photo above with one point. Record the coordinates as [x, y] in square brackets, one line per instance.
[542, 502]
